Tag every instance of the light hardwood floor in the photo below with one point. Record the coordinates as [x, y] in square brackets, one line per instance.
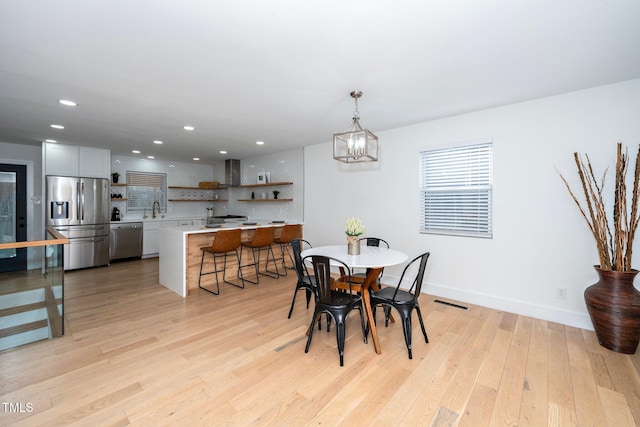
[135, 353]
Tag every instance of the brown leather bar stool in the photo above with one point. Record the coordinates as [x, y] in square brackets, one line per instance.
[224, 243]
[262, 240]
[289, 233]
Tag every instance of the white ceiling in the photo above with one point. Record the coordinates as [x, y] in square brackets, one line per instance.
[281, 70]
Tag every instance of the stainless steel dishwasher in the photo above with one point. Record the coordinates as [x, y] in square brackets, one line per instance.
[125, 240]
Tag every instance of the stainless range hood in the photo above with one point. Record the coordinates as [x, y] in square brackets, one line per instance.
[232, 172]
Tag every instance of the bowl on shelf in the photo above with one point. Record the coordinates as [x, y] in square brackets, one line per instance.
[208, 184]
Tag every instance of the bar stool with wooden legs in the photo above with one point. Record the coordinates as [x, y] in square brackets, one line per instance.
[289, 233]
[224, 243]
[262, 240]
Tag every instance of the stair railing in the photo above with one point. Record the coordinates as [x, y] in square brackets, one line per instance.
[32, 299]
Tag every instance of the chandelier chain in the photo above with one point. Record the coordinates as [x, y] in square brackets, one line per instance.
[356, 114]
[355, 95]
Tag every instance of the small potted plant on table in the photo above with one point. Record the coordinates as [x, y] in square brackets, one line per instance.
[353, 230]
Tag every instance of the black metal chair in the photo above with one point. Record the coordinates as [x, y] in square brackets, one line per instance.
[404, 301]
[261, 241]
[335, 304]
[306, 282]
[371, 241]
[224, 243]
[374, 241]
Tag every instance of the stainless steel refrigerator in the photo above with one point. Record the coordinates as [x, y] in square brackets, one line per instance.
[79, 209]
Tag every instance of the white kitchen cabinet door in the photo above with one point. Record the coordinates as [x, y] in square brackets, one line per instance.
[60, 160]
[150, 238]
[94, 162]
[72, 160]
[150, 243]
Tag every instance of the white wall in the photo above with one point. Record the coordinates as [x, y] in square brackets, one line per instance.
[284, 166]
[540, 241]
[178, 174]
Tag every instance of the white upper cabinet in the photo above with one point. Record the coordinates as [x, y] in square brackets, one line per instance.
[72, 160]
[60, 160]
[94, 162]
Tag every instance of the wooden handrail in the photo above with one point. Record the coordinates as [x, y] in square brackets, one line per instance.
[57, 235]
[58, 239]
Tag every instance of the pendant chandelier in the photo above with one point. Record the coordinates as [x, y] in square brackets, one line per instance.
[357, 144]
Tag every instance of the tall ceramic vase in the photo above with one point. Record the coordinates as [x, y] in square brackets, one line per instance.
[614, 306]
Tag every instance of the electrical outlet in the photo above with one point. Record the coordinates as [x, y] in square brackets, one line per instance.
[561, 293]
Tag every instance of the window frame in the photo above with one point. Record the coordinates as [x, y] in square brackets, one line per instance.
[456, 189]
[136, 198]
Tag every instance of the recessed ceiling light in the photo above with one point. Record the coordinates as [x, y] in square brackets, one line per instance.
[157, 142]
[196, 158]
[67, 102]
[150, 157]
[223, 152]
[260, 142]
[135, 151]
[53, 141]
[57, 126]
[189, 128]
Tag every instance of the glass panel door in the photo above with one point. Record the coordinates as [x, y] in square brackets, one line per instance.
[13, 215]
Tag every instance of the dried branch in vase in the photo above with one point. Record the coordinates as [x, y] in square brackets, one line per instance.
[614, 250]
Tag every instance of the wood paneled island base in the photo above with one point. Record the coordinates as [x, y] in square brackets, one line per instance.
[180, 256]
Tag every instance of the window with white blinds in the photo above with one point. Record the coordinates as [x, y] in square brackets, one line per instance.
[144, 188]
[456, 187]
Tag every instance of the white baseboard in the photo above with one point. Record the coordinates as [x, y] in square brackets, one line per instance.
[551, 314]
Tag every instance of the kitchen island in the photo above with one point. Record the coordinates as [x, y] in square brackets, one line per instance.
[180, 253]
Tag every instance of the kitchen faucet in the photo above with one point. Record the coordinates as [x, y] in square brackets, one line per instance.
[153, 209]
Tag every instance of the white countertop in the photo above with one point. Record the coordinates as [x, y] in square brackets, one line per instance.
[173, 250]
[226, 226]
[159, 219]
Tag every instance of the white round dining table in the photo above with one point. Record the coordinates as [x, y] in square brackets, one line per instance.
[370, 256]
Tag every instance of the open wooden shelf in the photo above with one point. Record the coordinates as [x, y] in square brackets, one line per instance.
[180, 187]
[265, 200]
[198, 200]
[269, 184]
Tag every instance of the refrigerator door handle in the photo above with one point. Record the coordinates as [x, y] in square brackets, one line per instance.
[82, 199]
[78, 200]
[84, 240]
